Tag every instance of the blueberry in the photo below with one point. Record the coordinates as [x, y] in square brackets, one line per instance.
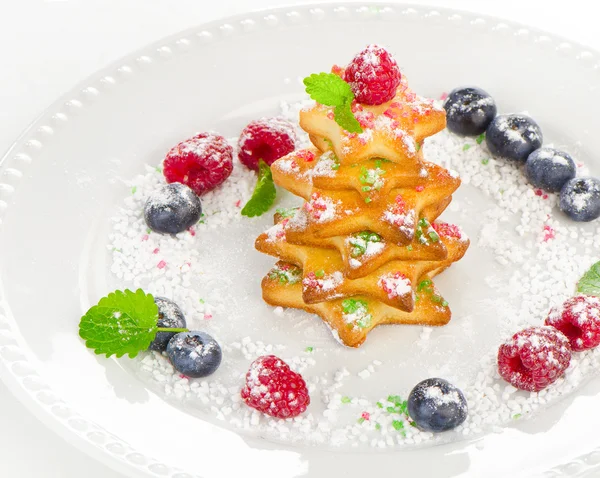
[580, 199]
[469, 111]
[172, 209]
[513, 137]
[170, 316]
[549, 169]
[436, 405]
[194, 354]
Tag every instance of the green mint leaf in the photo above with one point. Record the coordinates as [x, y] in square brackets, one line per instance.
[328, 89]
[345, 118]
[123, 322]
[590, 282]
[264, 193]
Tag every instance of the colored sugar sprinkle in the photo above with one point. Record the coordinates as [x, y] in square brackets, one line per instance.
[356, 313]
[212, 275]
[485, 161]
[285, 273]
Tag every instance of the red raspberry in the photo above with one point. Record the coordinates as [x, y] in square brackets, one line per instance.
[268, 139]
[202, 162]
[534, 358]
[274, 389]
[373, 75]
[579, 319]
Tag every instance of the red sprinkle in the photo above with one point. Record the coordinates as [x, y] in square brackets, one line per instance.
[444, 96]
[183, 376]
[539, 192]
[155, 251]
[306, 155]
[545, 196]
[161, 264]
[420, 188]
[145, 237]
[330, 115]
[238, 203]
[366, 415]
[447, 230]
[549, 233]
[390, 113]
[207, 316]
[192, 231]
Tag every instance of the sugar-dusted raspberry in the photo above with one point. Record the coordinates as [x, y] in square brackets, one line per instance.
[202, 162]
[273, 388]
[373, 75]
[268, 139]
[579, 319]
[534, 358]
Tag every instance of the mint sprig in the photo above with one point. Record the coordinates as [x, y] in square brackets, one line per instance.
[589, 284]
[264, 193]
[330, 90]
[123, 322]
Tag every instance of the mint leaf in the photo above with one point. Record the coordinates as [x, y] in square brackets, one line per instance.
[590, 282]
[328, 89]
[123, 322]
[264, 193]
[345, 118]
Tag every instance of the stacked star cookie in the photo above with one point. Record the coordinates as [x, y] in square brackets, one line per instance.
[364, 246]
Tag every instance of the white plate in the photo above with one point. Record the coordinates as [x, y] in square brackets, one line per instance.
[61, 182]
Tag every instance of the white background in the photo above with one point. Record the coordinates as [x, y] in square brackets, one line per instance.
[48, 46]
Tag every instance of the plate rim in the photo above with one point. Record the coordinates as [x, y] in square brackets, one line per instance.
[15, 369]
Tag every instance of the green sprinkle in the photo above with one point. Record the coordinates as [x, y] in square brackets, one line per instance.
[319, 274]
[418, 147]
[409, 247]
[377, 426]
[346, 399]
[308, 349]
[434, 236]
[148, 230]
[501, 191]
[437, 299]
[517, 416]
[485, 161]
[480, 138]
[423, 284]
[445, 303]
[117, 250]
[366, 189]
[398, 425]
[201, 301]
[412, 424]
[133, 189]
[361, 420]
[466, 147]
[379, 405]
[158, 170]
[391, 409]
[367, 200]
[378, 163]
[395, 399]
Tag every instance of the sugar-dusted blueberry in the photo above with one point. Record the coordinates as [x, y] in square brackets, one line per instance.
[194, 354]
[469, 111]
[549, 169]
[172, 209]
[513, 137]
[169, 316]
[580, 199]
[435, 405]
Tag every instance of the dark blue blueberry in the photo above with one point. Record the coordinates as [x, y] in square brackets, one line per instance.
[469, 111]
[170, 316]
[172, 209]
[436, 405]
[194, 354]
[513, 137]
[580, 199]
[549, 169]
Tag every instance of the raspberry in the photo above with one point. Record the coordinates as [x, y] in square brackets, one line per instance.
[534, 358]
[268, 139]
[579, 319]
[373, 75]
[202, 162]
[274, 389]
